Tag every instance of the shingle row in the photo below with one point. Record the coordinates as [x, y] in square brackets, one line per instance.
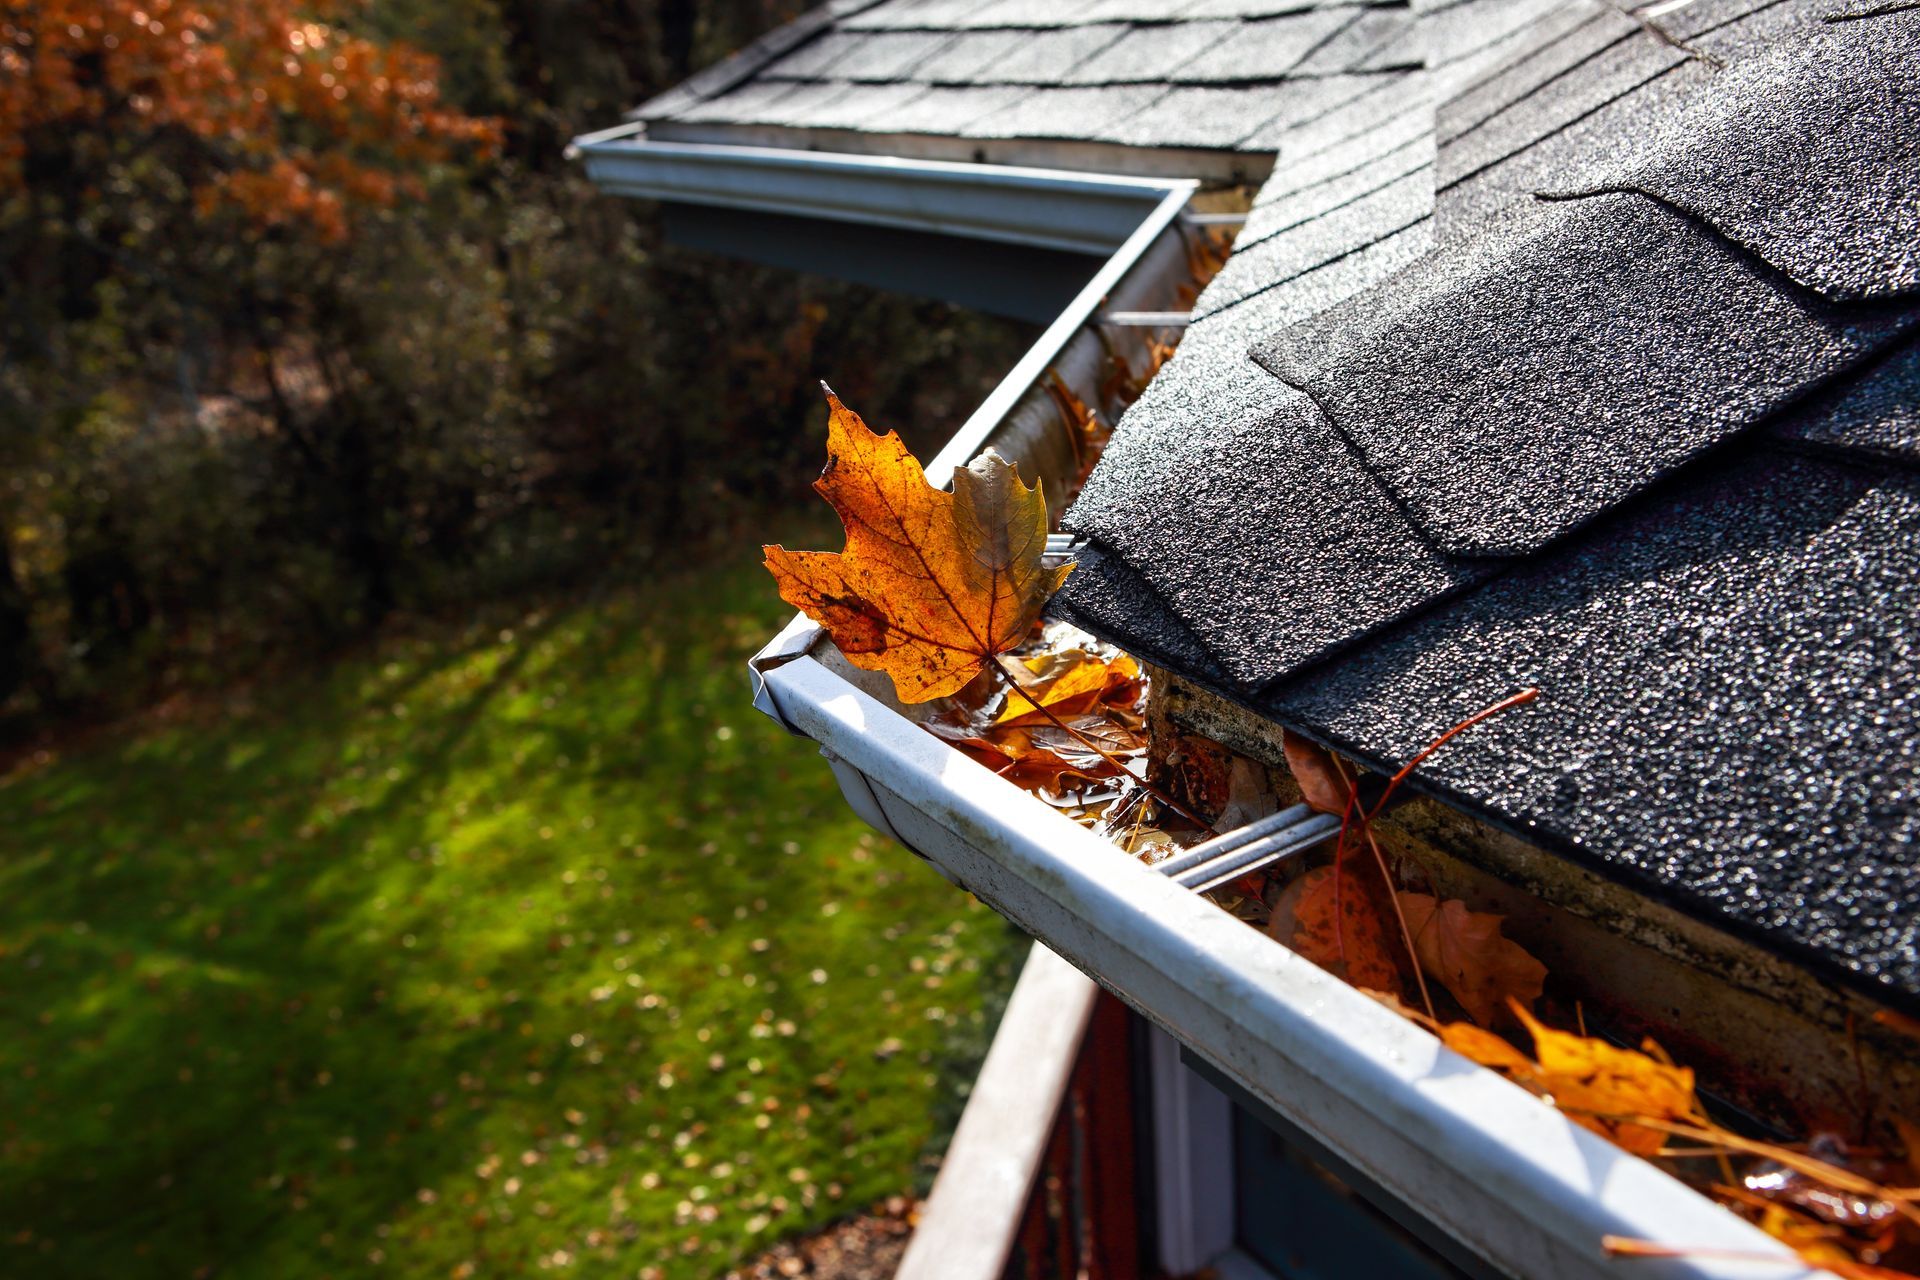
[1723, 638]
[1237, 117]
[1111, 71]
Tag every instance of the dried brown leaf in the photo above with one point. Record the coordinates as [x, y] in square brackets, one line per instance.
[1313, 768]
[1469, 956]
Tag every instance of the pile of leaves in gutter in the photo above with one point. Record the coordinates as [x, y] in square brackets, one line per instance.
[943, 591]
[1849, 1207]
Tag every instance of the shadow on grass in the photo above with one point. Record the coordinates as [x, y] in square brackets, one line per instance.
[522, 944]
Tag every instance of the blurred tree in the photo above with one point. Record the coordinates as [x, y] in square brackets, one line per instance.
[160, 161]
[262, 106]
[300, 323]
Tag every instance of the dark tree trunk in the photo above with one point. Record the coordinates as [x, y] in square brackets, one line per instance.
[107, 604]
[679, 22]
[18, 662]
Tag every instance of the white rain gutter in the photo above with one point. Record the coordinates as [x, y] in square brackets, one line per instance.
[1046, 208]
[1508, 1176]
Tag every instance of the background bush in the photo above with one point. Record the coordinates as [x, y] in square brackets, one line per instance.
[229, 438]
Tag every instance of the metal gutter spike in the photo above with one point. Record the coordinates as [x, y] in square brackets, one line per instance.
[1262, 853]
[1227, 842]
[1258, 844]
[1145, 319]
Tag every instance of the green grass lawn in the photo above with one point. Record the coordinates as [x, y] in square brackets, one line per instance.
[516, 947]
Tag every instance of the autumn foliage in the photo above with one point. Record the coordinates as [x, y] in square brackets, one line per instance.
[274, 109]
[932, 585]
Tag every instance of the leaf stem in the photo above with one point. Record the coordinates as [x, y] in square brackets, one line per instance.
[1524, 696]
[1098, 750]
[1386, 877]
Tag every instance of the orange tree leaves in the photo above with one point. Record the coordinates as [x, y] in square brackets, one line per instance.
[1601, 1085]
[1068, 683]
[273, 107]
[1312, 767]
[1466, 952]
[931, 585]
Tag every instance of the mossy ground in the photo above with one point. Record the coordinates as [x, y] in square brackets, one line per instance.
[511, 946]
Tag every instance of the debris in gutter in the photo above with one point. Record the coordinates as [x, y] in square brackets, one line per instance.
[943, 592]
[1848, 1206]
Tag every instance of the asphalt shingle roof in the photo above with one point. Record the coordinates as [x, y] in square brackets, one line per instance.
[1566, 346]
[1629, 410]
[1219, 75]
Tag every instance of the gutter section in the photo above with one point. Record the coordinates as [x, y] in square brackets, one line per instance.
[1043, 208]
[1510, 1178]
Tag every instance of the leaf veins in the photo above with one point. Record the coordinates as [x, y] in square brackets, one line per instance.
[931, 585]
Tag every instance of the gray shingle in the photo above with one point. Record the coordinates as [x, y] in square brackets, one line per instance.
[1300, 170]
[1476, 33]
[970, 57]
[1377, 40]
[1589, 80]
[1521, 385]
[1376, 215]
[1048, 57]
[1063, 113]
[856, 106]
[1020, 14]
[1556, 46]
[1270, 49]
[751, 102]
[1331, 112]
[1311, 202]
[1550, 158]
[889, 55]
[1108, 589]
[1727, 718]
[924, 15]
[1879, 414]
[1807, 153]
[814, 59]
[1293, 299]
[945, 110]
[1196, 116]
[1262, 596]
[1152, 54]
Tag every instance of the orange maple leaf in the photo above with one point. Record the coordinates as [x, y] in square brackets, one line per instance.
[1341, 925]
[1065, 684]
[931, 585]
[1467, 953]
[1600, 1085]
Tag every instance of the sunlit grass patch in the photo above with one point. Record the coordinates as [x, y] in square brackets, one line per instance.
[520, 945]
